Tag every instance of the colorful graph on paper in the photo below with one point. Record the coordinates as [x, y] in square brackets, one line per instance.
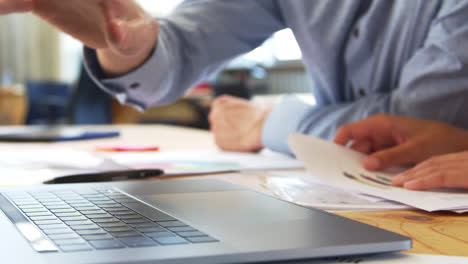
[370, 179]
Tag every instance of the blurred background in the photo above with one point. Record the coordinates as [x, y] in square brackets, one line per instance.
[42, 79]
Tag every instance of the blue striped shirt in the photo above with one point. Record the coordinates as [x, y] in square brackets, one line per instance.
[403, 57]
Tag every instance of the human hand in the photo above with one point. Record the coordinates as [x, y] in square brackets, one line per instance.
[237, 124]
[123, 33]
[393, 141]
[450, 171]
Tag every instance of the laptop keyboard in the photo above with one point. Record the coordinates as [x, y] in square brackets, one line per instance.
[98, 220]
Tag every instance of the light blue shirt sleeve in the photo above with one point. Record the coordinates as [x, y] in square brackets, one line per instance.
[433, 84]
[198, 39]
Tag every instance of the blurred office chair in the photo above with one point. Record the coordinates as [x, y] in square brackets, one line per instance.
[47, 102]
[89, 104]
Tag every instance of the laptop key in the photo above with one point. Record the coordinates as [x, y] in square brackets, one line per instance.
[75, 248]
[117, 208]
[171, 223]
[85, 227]
[35, 210]
[93, 216]
[160, 234]
[112, 224]
[144, 225]
[135, 221]
[85, 208]
[39, 214]
[122, 212]
[73, 218]
[90, 212]
[139, 241]
[78, 223]
[97, 237]
[125, 234]
[91, 232]
[40, 218]
[57, 231]
[118, 229]
[63, 236]
[30, 206]
[175, 240]
[182, 228]
[75, 213]
[106, 244]
[69, 210]
[151, 229]
[149, 212]
[105, 220]
[47, 222]
[55, 226]
[202, 239]
[105, 206]
[191, 234]
[129, 216]
[63, 242]
[65, 206]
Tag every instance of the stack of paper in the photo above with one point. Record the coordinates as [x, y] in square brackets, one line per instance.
[291, 186]
[342, 168]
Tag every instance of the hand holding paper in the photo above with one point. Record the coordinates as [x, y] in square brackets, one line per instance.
[394, 141]
[342, 167]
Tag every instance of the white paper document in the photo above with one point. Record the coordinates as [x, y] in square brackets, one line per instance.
[203, 162]
[341, 167]
[26, 166]
[291, 186]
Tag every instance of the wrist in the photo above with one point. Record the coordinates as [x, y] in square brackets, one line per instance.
[115, 65]
[258, 134]
[128, 47]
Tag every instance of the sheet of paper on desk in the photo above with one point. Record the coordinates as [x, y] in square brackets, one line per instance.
[291, 186]
[194, 162]
[341, 167]
[36, 158]
[395, 258]
[26, 166]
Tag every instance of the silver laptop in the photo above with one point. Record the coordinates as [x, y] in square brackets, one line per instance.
[173, 221]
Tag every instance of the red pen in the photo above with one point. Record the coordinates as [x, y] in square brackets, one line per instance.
[122, 148]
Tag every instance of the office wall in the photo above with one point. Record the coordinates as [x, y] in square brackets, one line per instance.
[28, 49]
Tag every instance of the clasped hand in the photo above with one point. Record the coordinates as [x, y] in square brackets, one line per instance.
[118, 29]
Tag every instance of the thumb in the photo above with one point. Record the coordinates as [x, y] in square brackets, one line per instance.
[403, 154]
[131, 38]
[130, 30]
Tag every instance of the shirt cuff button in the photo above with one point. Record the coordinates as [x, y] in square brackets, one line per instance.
[135, 86]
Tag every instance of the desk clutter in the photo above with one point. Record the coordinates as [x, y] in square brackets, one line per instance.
[341, 168]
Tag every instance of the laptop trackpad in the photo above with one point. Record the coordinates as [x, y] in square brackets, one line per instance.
[234, 215]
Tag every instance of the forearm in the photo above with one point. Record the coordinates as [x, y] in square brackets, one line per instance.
[192, 44]
[114, 64]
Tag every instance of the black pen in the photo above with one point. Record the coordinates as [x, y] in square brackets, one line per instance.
[107, 176]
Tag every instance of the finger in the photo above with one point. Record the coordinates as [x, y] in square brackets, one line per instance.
[362, 146]
[439, 179]
[451, 162]
[344, 135]
[407, 153]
